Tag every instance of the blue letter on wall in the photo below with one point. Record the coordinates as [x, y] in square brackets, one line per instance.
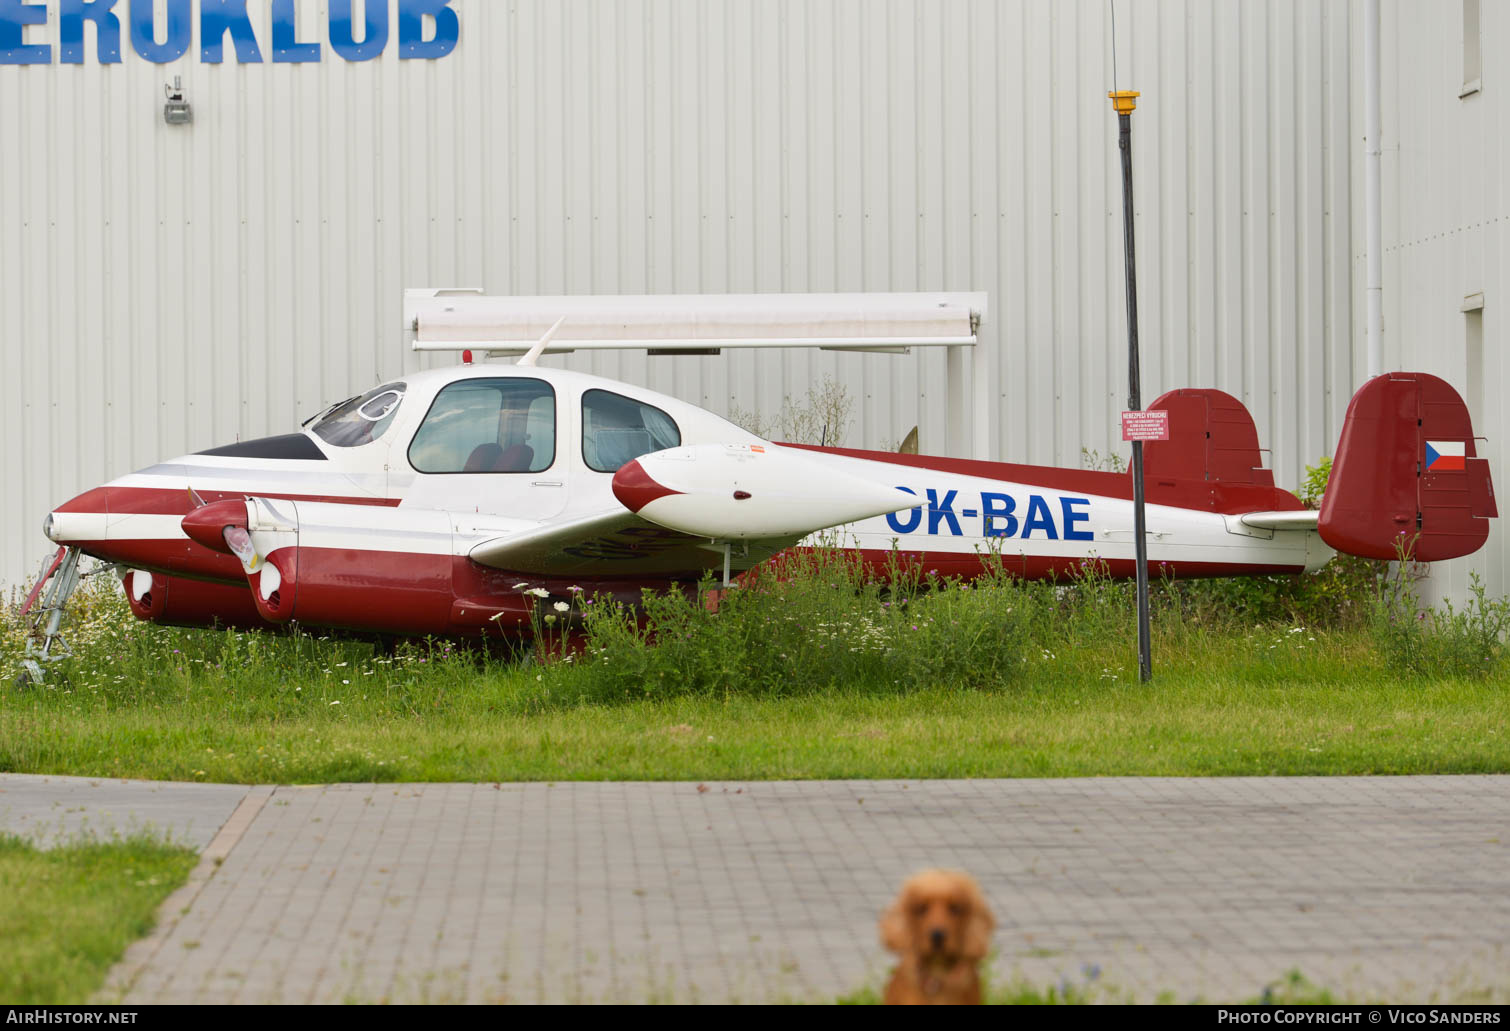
[374, 39]
[107, 31]
[286, 46]
[14, 17]
[180, 31]
[216, 18]
[411, 29]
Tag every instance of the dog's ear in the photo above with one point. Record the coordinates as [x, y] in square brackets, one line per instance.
[978, 927]
[895, 933]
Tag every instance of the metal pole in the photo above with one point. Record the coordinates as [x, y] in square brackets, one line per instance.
[1373, 218]
[1124, 101]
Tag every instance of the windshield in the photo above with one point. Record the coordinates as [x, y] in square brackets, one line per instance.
[362, 419]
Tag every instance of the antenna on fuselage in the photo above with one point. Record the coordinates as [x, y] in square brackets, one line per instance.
[529, 360]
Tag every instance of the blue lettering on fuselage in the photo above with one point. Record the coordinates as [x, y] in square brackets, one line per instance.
[999, 506]
[427, 30]
[914, 517]
[999, 516]
[942, 511]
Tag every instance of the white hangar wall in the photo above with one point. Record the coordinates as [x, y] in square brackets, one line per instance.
[169, 288]
[1446, 227]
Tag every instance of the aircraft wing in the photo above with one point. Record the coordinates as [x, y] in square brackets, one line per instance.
[618, 544]
[683, 504]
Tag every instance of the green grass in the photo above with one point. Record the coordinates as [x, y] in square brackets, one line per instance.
[814, 676]
[70, 912]
[1248, 715]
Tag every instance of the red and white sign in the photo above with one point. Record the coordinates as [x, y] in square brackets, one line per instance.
[1145, 425]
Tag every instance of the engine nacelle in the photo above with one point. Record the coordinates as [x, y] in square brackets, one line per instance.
[174, 601]
[356, 567]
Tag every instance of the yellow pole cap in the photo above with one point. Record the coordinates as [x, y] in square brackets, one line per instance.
[1124, 100]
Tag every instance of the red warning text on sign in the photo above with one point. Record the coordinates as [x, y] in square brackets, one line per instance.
[1145, 425]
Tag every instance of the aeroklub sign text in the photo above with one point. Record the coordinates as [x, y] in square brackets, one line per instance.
[36, 32]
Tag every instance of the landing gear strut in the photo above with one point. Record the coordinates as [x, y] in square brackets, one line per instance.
[47, 606]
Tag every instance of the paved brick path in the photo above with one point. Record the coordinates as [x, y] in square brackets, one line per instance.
[1376, 887]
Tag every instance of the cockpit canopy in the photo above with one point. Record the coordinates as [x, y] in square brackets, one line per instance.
[361, 420]
[503, 424]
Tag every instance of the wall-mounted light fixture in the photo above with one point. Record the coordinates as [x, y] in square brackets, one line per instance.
[177, 110]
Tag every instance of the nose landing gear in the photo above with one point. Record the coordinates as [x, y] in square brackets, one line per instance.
[46, 607]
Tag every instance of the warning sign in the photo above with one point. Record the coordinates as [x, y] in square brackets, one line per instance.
[1145, 425]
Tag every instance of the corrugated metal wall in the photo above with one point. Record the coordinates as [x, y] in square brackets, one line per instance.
[169, 288]
[1446, 206]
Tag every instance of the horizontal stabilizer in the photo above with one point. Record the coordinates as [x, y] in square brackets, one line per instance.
[1305, 520]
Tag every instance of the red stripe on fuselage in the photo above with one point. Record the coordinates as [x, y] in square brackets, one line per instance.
[180, 556]
[1202, 495]
[1060, 568]
[171, 501]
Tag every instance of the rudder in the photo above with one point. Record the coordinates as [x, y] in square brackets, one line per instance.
[1406, 475]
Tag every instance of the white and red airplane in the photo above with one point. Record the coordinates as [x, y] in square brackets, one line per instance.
[434, 504]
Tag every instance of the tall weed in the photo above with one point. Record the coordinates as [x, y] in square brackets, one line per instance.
[1439, 642]
[817, 621]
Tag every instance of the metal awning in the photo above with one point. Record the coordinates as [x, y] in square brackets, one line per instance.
[456, 320]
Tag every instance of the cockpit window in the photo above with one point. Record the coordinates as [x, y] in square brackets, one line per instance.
[362, 419]
[488, 426]
[617, 430]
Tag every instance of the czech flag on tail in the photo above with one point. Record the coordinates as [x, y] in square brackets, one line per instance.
[1445, 456]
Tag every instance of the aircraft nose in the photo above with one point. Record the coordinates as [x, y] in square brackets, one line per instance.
[83, 520]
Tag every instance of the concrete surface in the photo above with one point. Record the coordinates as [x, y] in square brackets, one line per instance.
[47, 810]
[1393, 888]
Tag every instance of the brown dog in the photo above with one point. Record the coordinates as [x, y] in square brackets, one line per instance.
[941, 927]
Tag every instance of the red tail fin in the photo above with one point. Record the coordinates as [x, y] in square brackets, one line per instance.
[1407, 475]
[1211, 437]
